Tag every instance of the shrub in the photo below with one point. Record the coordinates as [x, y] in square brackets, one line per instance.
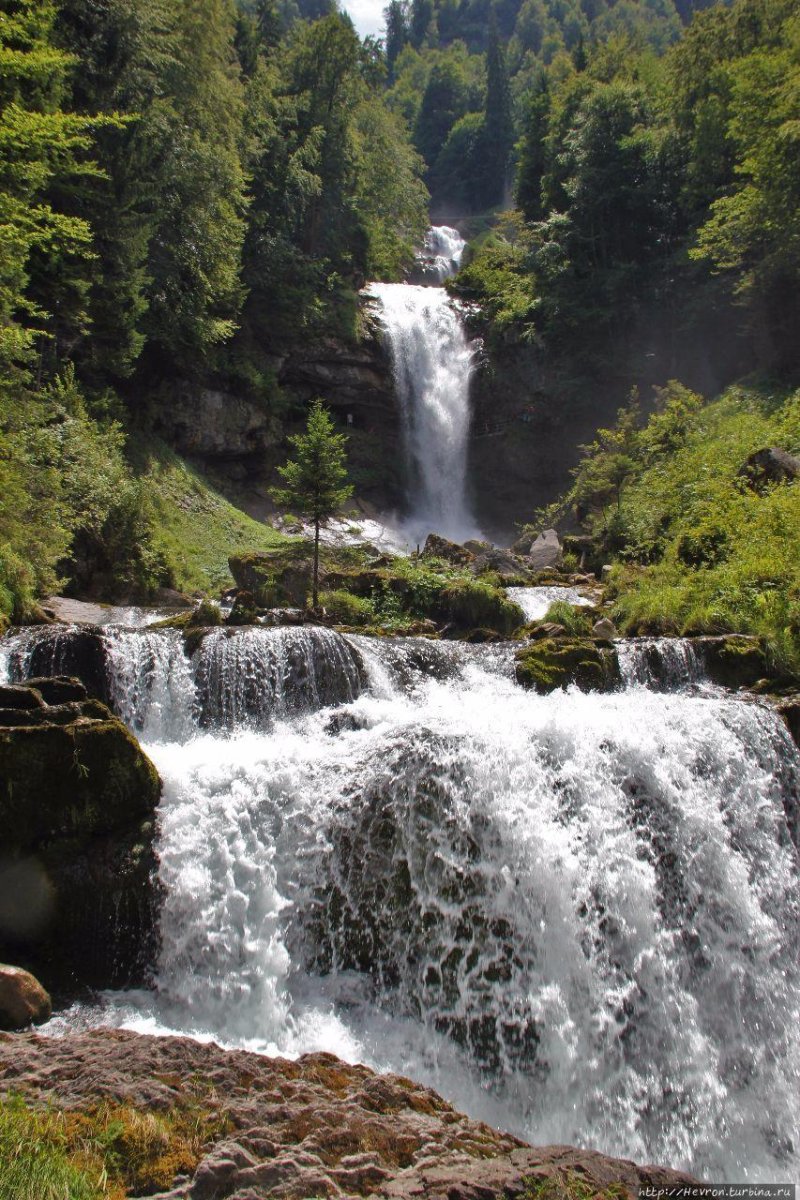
[347, 609]
[474, 604]
[575, 622]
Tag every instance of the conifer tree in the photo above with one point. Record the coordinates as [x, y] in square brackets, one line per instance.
[396, 19]
[315, 479]
[499, 127]
[532, 152]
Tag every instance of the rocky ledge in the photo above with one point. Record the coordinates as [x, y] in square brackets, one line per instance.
[279, 1129]
[78, 904]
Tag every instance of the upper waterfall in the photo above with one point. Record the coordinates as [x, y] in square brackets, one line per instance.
[432, 361]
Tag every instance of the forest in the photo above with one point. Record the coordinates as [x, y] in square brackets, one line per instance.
[188, 187]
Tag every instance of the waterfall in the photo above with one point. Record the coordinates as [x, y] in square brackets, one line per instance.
[576, 916]
[432, 361]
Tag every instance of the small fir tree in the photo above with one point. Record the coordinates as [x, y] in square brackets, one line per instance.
[316, 477]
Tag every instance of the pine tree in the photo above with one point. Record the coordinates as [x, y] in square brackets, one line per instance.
[396, 18]
[422, 13]
[532, 152]
[315, 477]
[499, 126]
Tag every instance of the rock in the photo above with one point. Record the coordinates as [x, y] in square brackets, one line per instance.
[312, 1127]
[558, 662]
[452, 552]
[23, 1000]
[244, 611]
[547, 629]
[476, 605]
[215, 425]
[58, 689]
[275, 577]
[477, 547]
[733, 660]
[16, 696]
[604, 629]
[76, 652]
[583, 547]
[501, 562]
[523, 543]
[77, 899]
[789, 709]
[545, 552]
[605, 572]
[768, 466]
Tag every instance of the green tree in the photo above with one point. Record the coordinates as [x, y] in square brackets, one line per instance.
[315, 479]
[499, 127]
[532, 152]
[397, 33]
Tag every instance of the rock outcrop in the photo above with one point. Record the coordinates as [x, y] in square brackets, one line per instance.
[545, 552]
[77, 898]
[769, 466]
[23, 1000]
[556, 662]
[314, 1127]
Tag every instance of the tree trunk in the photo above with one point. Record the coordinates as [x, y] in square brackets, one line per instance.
[315, 581]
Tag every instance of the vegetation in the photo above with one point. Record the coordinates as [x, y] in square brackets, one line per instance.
[315, 480]
[575, 621]
[702, 545]
[106, 1152]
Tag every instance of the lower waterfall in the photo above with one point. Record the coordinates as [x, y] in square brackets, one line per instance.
[576, 916]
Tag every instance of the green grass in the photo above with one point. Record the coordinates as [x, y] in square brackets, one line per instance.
[698, 550]
[37, 1162]
[194, 527]
[575, 622]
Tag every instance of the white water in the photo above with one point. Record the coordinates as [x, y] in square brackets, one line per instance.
[432, 361]
[443, 250]
[576, 916]
[535, 601]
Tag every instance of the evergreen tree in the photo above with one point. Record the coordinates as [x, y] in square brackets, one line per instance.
[396, 17]
[315, 479]
[499, 127]
[422, 13]
[532, 152]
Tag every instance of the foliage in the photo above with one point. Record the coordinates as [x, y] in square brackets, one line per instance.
[575, 622]
[315, 479]
[347, 609]
[699, 549]
[105, 1152]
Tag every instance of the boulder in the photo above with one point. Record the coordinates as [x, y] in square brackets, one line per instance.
[789, 709]
[545, 553]
[74, 652]
[452, 552]
[558, 662]
[500, 562]
[23, 1000]
[604, 629]
[477, 547]
[523, 543]
[275, 577]
[244, 611]
[547, 629]
[78, 902]
[58, 689]
[769, 466]
[16, 696]
[733, 660]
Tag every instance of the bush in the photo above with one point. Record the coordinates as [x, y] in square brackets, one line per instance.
[347, 609]
[575, 622]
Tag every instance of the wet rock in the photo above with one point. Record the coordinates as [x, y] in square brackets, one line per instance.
[75, 652]
[58, 689]
[789, 709]
[500, 562]
[244, 611]
[278, 577]
[452, 552]
[77, 901]
[558, 662]
[733, 660]
[314, 1127]
[604, 629]
[545, 553]
[769, 466]
[23, 1000]
[17, 696]
[547, 629]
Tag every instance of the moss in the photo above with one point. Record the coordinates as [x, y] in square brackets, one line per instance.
[106, 1152]
[475, 604]
[570, 1185]
[558, 662]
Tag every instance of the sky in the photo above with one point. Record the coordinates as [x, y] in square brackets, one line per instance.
[367, 15]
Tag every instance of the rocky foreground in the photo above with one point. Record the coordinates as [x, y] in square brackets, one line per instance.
[274, 1128]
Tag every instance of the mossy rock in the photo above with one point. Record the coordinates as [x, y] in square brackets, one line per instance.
[78, 902]
[471, 604]
[558, 662]
[734, 660]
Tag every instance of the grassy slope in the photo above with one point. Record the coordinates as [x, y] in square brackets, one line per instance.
[727, 557]
[195, 527]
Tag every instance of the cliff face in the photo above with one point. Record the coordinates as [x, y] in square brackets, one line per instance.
[273, 1128]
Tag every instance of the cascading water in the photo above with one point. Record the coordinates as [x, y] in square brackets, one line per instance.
[575, 915]
[432, 361]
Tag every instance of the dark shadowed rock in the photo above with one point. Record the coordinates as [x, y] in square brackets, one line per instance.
[23, 1000]
[452, 552]
[545, 551]
[501, 562]
[77, 897]
[789, 709]
[558, 662]
[768, 466]
[733, 660]
[314, 1127]
[58, 689]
